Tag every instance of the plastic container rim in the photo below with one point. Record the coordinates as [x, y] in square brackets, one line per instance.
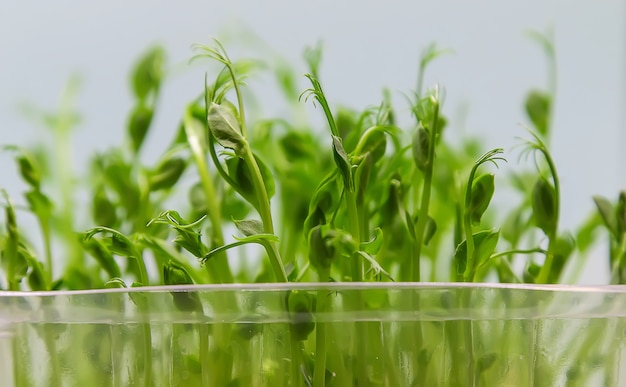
[276, 286]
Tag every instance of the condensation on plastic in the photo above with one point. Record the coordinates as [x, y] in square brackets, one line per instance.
[383, 334]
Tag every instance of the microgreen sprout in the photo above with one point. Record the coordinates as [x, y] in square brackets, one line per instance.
[375, 201]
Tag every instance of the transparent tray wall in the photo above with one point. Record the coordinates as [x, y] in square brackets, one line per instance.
[271, 335]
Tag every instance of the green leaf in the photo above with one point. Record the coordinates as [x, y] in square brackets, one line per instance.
[424, 110]
[138, 125]
[164, 252]
[586, 234]
[297, 146]
[118, 175]
[148, 73]
[620, 214]
[36, 276]
[531, 272]
[261, 239]
[374, 142]
[431, 53]
[39, 203]
[563, 248]
[225, 127]
[409, 224]
[242, 181]
[538, 106]
[187, 237]
[313, 58]
[27, 166]
[375, 267]
[197, 198]
[118, 243]
[421, 148]
[115, 283]
[104, 212]
[514, 225]
[167, 173]
[343, 163]
[322, 252]
[249, 227]
[485, 243]
[374, 245]
[482, 192]
[429, 230]
[607, 213]
[362, 174]
[300, 306]
[29, 171]
[544, 206]
[485, 362]
[175, 274]
[98, 250]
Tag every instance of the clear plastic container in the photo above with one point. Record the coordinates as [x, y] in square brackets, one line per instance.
[382, 334]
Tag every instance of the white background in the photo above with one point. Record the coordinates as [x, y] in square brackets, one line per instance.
[368, 45]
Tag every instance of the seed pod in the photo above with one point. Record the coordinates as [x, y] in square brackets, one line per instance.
[300, 307]
[421, 148]
[482, 192]
[544, 206]
[138, 125]
[167, 173]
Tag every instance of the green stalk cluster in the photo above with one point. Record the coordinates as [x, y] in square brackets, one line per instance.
[373, 202]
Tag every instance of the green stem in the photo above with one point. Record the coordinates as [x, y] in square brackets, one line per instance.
[319, 373]
[468, 276]
[353, 220]
[45, 230]
[50, 343]
[260, 190]
[425, 202]
[276, 262]
[257, 179]
[204, 354]
[147, 348]
[218, 270]
[296, 361]
[618, 262]
[546, 269]
[470, 269]
[62, 138]
[515, 251]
